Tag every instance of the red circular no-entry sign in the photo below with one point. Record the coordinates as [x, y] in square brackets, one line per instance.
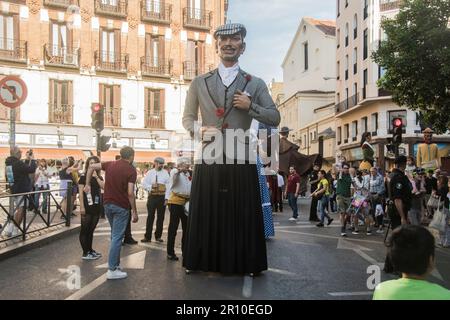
[13, 91]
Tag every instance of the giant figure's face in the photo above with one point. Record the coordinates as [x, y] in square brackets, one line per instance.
[230, 48]
[428, 137]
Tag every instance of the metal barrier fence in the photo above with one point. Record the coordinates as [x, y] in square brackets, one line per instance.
[42, 211]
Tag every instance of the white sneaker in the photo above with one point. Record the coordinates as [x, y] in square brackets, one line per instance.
[380, 231]
[116, 274]
[292, 219]
[15, 232]
[9, 230]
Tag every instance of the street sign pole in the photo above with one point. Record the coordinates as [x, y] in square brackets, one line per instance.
[12, 128]
[98, 144]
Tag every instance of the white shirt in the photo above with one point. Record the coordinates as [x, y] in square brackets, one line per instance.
[42, 177]
[362, 187]
[183, 186]
[280, 181]
[228, 75]
[160, 177]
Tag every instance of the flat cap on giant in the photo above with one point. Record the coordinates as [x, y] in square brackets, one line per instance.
[230, 29]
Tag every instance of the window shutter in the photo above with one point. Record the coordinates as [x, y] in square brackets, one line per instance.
[101, 95]
[146, 107]
[51, 100]
[70, 101]
[148, 48]
[162, 51]
[102, 50]
[116, 105]
[117, 47]
[16, 31]
[201, 57]
[70, 41]
[162, 102]
[50, 49]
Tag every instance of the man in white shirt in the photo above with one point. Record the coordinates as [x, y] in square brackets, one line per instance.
[156, 182]
[180, 190]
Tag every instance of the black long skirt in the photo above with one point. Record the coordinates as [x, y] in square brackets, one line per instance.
[225, 231]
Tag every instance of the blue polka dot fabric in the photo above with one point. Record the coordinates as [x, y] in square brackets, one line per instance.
[269, 230]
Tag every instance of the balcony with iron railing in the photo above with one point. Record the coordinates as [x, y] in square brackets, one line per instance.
[347, 104]
[192, 69]
[155, 120]
[390, 5]
[384, 93]
[111, 62]
[13, 50]
[62, 56]
[61, 3]
[113, 116]
[118, 8]
[60, 113]
[197, 18]
[155, 11]
[156, 67]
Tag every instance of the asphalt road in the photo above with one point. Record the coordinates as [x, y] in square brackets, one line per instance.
[304, 263]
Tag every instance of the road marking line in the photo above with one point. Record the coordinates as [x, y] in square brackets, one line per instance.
[349, 294]
[329, 237]
[247, 288]
[88, 288]
[284, 272]
[306, 243]
[159, 247]
[305, 227]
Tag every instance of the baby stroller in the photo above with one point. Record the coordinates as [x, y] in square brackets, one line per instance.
[359, 208]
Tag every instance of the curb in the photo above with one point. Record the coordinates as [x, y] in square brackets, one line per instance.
[21, 247]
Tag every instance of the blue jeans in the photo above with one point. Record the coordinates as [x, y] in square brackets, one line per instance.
[118, 220]
[292, 200]
[322, 205]
[37, 197]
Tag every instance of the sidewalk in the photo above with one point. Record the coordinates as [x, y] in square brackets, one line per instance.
[38, 235]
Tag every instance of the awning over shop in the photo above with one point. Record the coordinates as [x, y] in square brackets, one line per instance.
[52, 154]
[59, 154]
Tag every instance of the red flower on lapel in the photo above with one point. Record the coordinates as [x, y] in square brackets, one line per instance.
[220, 112]
[248, 77]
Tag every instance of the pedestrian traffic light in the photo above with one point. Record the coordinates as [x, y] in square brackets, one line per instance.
[102, 143]
[98, 117]
[397, 124]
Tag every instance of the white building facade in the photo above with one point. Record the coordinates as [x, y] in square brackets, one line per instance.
[309, 76]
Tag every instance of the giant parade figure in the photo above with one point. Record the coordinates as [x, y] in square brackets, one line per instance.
[225, 230]
[428, 152]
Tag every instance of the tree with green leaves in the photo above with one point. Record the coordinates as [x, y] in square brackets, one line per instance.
[416, 57]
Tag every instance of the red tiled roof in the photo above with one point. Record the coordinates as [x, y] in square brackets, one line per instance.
[326, 26]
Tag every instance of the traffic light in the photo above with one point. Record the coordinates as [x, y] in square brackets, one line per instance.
[397, 124]
[98, 117]
[102, 143]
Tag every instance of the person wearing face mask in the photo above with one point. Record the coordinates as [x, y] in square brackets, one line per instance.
[156, 182]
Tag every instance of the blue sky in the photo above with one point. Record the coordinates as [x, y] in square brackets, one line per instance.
[271, 26]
